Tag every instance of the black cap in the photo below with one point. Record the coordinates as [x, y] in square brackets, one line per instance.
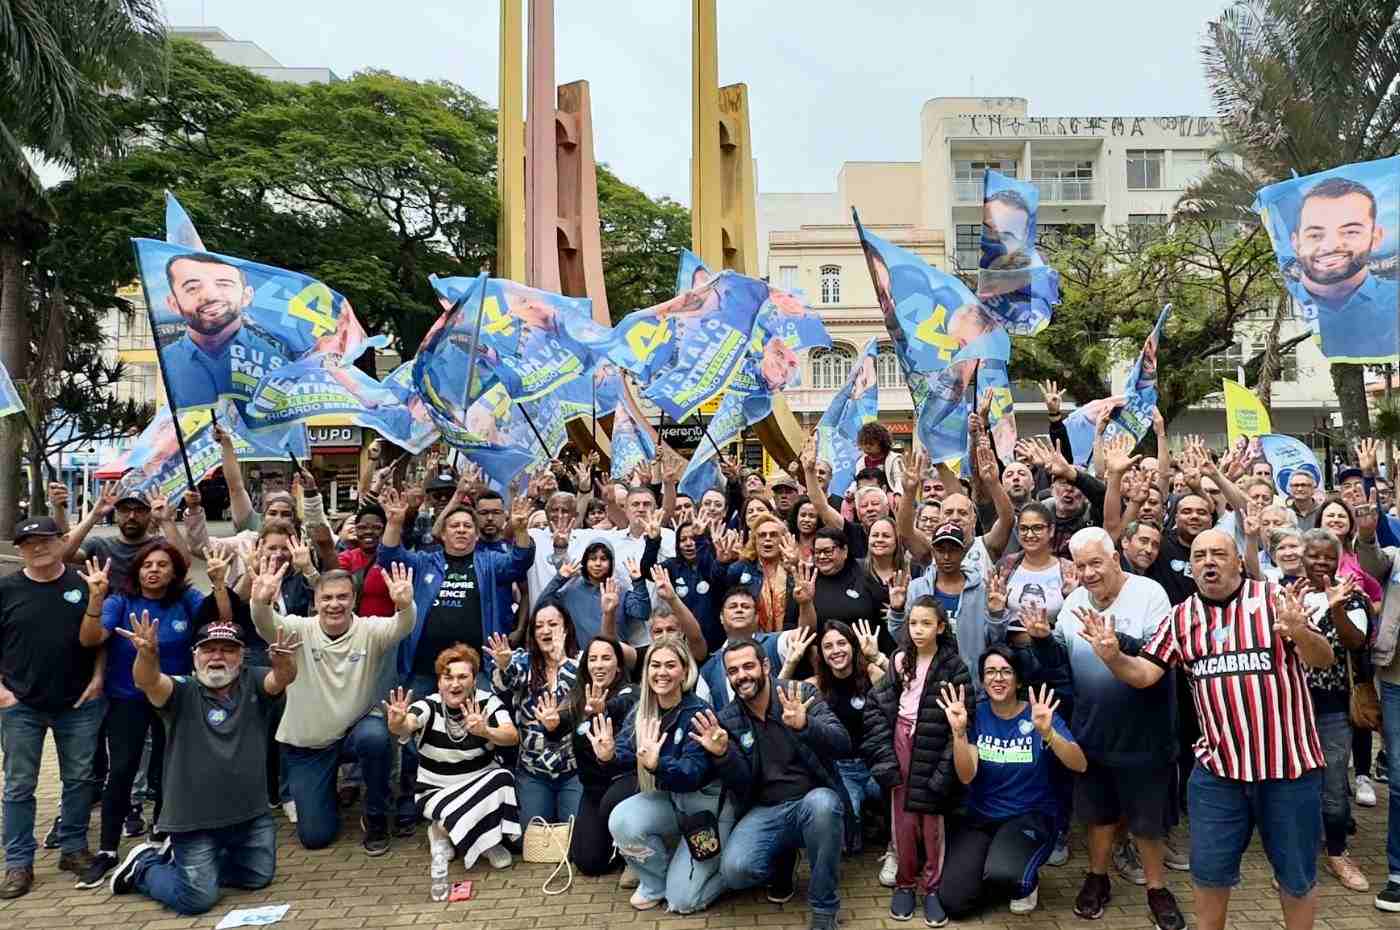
[950, 532]
[442, 481]
[1346, 474]
[218, 632]
[39, 526]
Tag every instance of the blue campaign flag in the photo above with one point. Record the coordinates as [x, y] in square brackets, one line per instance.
[179, 228]
[9, 397]
[976, 369]
[1288, 455]
[223, 323]
[1013, 281]
[1082, 425]
[633, 439]
[540, 340]
[702, 472]
[854, 405]
[1134, 418]
[450, 354]
[1335, 237]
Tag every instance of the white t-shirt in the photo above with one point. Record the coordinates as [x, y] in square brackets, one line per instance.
[1032, 588]
[1138, 610]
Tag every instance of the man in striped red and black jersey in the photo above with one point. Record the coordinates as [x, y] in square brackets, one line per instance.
[1243, 644]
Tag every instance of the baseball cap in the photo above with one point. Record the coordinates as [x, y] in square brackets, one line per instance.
[950, 532]
[1346, 474]
[218, 631]
[133, 497]
[39, 526]
[442, 481]
[781, 479]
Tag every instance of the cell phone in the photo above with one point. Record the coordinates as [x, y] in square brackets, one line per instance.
[462, 891]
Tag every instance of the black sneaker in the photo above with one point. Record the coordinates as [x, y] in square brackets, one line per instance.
[784, 883]
[1389, 898]
[405, 825]
[51, 838]
[1380, 770]
[934, 915]
[96, 873]
[123, 879]
[1093, 897]
[902, 904]
[376, 841]
[135, 824]
[1161, 904]
[158, 836]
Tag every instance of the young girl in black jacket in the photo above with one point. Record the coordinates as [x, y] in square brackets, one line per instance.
[909, 748]
[602, 689]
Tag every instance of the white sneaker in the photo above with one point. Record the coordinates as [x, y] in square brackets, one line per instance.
[889, 868]
[1178, 855]
[290, 809]
[1027, 904]
[1365, 792]
[1129, 863]
[1060, 854]
[498, 856]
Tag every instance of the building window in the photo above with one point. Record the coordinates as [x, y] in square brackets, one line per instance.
[1144, 227]
[968, 174]
[1287, 362]
[831, 367]
[133, 331]
[968, 249]
[1188, 166]
[1145, 169]
[1063, 179]
[831, 284]
[887, 369]
[1058, 233]
[1227, 364]
[787, 277]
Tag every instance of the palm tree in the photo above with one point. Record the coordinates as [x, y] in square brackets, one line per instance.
[59, 62]
[1300, 86]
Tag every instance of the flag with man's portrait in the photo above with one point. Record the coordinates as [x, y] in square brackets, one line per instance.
[1134, 418]
[1013, 281]
[854, 405]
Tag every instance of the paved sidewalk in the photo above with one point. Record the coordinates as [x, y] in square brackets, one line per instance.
[341, 887]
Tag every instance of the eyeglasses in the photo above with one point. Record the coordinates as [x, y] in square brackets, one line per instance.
[994, 672]
[824, 553]
[1034, 529]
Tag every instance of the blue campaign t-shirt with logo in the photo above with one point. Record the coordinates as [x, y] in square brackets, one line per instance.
[175, 634]
[1013, 765]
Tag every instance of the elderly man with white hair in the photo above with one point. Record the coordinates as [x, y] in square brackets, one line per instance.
[1127, 733]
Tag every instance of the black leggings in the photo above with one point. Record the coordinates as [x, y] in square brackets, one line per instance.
[987, 858]
[591, 847]
[128, 721]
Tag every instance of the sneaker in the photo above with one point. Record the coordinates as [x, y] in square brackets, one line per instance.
[1380, 771]
[376, 841]
[823, 921]
[1161, 904]
[934, 915]
[406, 825]
[1027, 904]
[123, 878]
[1178, 853]
[96, 873]
[159, 836]
[889, 868]
[641, 902]
[630, 879]
[1094, 894]
[1347, 873]
[290, 809]
[19, 880]
[784, 883]
[76, 862]
[51, 838]
[498, 856]
[135, 824]
[1365, 792]
[902, 904]
[1060, 854]
[1128, 863]
[1387, 900]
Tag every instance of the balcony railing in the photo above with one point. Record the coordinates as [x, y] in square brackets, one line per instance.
[1066, 189]
[967, 191]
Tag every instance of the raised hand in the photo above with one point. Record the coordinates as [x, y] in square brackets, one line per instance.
[143, 634]
[600, 735]
[672, 466]
[160, 508]
[474, 716]
[500, 649]
[519, 513]
[1368, 517]
[705, 730]
[1251, 519]
[282, 654]
[996, 591]
[595, 699]
[1290, 617]
[1118, 455]
[954, 704]
[913, 476]
[399, 580]
[108, 501]
[899, 589]
[1069, 578]
[267, 583]
[1043, 707]
[664, 589]
[986, 463]
[58, 496]
[649, 742]
[1054, 400]
[1366, 455]
[799, 641]
[301, 554]
[804, 583]
[96, 577]
[1098, 632]
[794, 708]
[868, 639]
[395, 506]
[1338, 594]
[633, 569]
[216, 559]
[1035, 622]
[396, 708]
[651, 525]
[221, 435]
[547, 712]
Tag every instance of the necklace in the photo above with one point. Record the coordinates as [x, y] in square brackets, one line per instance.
[455, 725]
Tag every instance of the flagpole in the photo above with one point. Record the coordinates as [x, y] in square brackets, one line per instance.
[534, 429]
[476, 335]
[164, 375]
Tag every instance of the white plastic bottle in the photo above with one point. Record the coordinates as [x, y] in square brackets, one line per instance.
[440, 885]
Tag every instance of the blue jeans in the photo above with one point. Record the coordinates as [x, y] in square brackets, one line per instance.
[22, 730]
[242, 855]
[553, 799]
[860, 786]
[1390, 730]
[311, 777]
[1334, 731]
[815, 822]
[1224, 813]
[645, 828]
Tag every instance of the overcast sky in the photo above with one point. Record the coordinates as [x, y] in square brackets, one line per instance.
[828, 81]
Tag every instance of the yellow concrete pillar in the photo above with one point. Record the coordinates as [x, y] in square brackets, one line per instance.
[706, 210]
[510, 149]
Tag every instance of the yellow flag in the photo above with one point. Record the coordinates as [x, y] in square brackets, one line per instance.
[1244, 415]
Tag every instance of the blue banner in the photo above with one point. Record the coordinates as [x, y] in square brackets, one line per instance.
[1083, 422]
[1013, 281]
[976, 369]
[222, 324]
[179, 228]
[1287, 455]
[9, 397]
[633, 439]
[1134, 418]
[1335, 237]
[854, 405]
[448, 355]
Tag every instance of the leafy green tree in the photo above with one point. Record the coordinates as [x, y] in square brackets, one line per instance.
[642, 243]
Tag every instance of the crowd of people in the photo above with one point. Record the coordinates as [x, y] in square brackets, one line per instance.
[1163, 649]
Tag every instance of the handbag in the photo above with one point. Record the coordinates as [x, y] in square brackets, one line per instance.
[700, 830]
[549, 842]
[1365, 704]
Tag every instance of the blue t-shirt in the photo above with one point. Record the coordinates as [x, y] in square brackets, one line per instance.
[1013, 765]
[949, 602]
[175, 632]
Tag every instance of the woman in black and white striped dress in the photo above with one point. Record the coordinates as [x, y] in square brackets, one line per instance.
[462, 789]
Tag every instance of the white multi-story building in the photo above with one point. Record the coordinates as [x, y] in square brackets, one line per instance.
[1092, 172]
